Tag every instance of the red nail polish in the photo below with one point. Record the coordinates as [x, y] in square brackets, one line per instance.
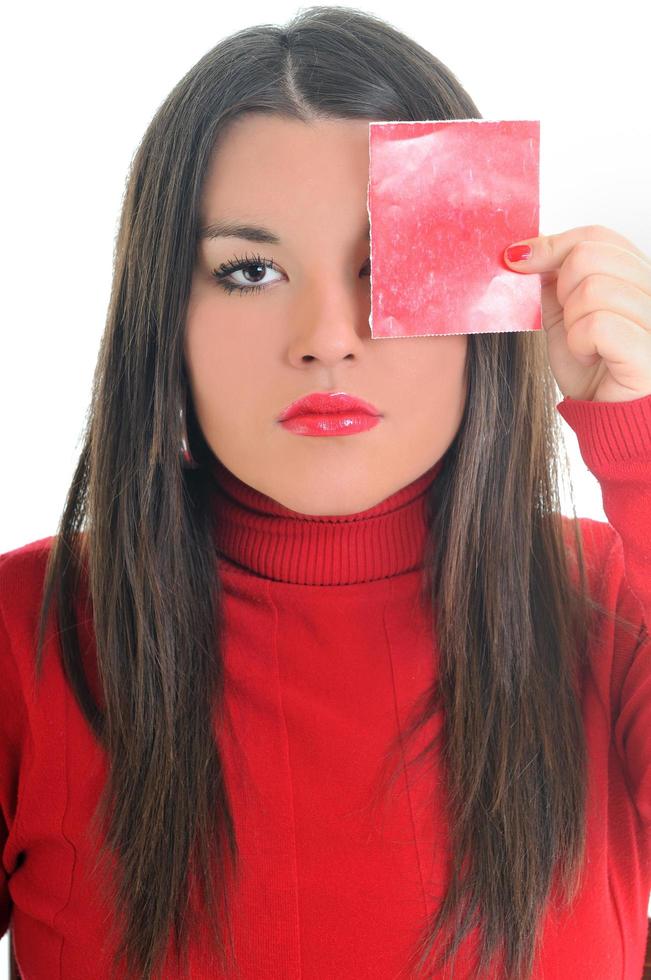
[516, 253]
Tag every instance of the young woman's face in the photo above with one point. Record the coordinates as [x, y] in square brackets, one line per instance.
[250, 355]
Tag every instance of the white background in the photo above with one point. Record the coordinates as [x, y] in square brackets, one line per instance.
[80, 84]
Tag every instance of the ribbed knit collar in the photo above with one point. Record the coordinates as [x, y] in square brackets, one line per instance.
[266, 538]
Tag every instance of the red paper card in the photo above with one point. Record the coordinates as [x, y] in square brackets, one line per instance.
[444, 201]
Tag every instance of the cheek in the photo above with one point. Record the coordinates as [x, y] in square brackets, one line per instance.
[453, 385]
[434, 372]
[222, 334]
[198, 354]
[229, 375]
[203, 359]
[431, 395]
[209, 344]
[441, 393]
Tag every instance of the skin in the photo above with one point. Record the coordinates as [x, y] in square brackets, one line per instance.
[249, 355]
[596, 312]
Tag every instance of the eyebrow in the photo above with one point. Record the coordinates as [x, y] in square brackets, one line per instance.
[251, 233]
[236, 229]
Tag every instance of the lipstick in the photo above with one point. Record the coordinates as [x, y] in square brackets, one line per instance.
[329, 414]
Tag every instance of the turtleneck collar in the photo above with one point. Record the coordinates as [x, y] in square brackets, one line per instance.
[266, 538]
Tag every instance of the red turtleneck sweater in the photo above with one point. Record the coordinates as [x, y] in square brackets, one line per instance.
[326, 648]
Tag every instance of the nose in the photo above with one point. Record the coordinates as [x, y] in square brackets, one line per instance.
[333, 324]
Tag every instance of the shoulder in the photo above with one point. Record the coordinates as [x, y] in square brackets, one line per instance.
[605, 564]
[596, 536]
[598, 541]
[621, 634]
[25, 556]
[22, 573]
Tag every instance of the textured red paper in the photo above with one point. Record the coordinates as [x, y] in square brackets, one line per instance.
[445, 199]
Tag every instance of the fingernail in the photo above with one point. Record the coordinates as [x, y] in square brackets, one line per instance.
[516, 253]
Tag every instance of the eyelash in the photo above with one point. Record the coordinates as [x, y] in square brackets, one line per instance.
[235, 265]
[226, 268]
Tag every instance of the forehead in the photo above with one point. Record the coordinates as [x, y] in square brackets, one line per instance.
[264, 165]
[282, 137]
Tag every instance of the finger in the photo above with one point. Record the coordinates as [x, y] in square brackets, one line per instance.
[609, 295]
[622, 344]
[548, 252]
[611, 260]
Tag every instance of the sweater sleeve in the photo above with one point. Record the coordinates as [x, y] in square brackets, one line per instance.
[12, 729]
[615, 443]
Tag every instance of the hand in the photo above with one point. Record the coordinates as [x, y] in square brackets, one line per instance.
[596, 311]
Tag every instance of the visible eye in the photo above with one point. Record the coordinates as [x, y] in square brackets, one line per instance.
[227, 269]
[257, 262]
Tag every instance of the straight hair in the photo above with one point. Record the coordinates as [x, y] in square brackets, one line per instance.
[134, 552]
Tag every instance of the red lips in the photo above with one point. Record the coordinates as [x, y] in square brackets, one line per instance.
[322, 403]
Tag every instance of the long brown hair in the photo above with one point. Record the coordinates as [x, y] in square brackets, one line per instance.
[504, 576]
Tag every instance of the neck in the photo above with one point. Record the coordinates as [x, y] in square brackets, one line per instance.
[264, 537]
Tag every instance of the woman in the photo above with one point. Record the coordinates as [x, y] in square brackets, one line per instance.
[316, 706]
